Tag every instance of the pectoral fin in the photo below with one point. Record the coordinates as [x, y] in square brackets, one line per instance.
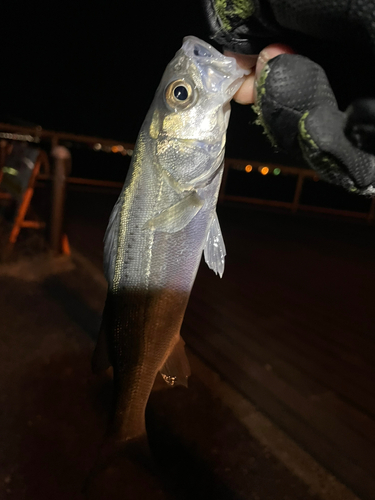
[214, 250]
[177, 216]
[176, 369]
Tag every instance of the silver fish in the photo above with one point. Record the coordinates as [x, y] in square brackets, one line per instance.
[163, 220]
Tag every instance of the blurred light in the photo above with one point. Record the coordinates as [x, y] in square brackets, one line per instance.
[130, 152]
[276, 171]
[97, 146]
[264, 170]
[10, 171]
[19, 137]
[117, 149]
[248, 168]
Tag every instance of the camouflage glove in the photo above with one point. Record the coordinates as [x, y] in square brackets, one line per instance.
[295, 103]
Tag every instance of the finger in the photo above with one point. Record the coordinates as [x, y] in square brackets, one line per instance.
[244, 95]
[331, 154]
[268, 53]
[292, 86]
[255, 63]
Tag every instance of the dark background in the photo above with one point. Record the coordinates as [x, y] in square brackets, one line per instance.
[93, 68]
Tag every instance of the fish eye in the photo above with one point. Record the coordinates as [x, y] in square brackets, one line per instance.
[179, 94]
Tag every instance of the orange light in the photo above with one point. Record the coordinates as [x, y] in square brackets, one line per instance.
[248, 168]
[114, 149]
[264, 170]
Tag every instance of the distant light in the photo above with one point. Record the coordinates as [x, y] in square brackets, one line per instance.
[97, 146]
[19, 137]
[248, 168]
[264, 170]
[10, 171]
[276, 171]
[117, 149]
[130, 152]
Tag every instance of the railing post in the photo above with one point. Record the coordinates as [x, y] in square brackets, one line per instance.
[61, 159]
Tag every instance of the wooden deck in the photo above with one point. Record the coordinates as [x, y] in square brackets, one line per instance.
[291, 325]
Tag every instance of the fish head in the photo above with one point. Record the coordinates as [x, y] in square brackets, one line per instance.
[190, 112]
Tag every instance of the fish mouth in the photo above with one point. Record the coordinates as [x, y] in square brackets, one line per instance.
[219, 73]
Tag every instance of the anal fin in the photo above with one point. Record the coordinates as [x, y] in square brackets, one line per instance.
[176, 369]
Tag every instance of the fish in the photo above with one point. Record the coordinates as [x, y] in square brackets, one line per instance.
[162, 222]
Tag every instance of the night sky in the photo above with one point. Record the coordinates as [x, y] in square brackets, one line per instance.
[93, 68]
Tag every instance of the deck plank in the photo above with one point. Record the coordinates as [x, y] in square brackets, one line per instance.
[272, 359]
[339, 464]
[324, 422]
[291, 327]
[292, 344]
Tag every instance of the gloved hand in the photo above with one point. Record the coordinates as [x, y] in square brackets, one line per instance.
[293, 99]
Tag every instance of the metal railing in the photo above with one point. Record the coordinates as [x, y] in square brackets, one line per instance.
[8, 132]
[295, 205]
